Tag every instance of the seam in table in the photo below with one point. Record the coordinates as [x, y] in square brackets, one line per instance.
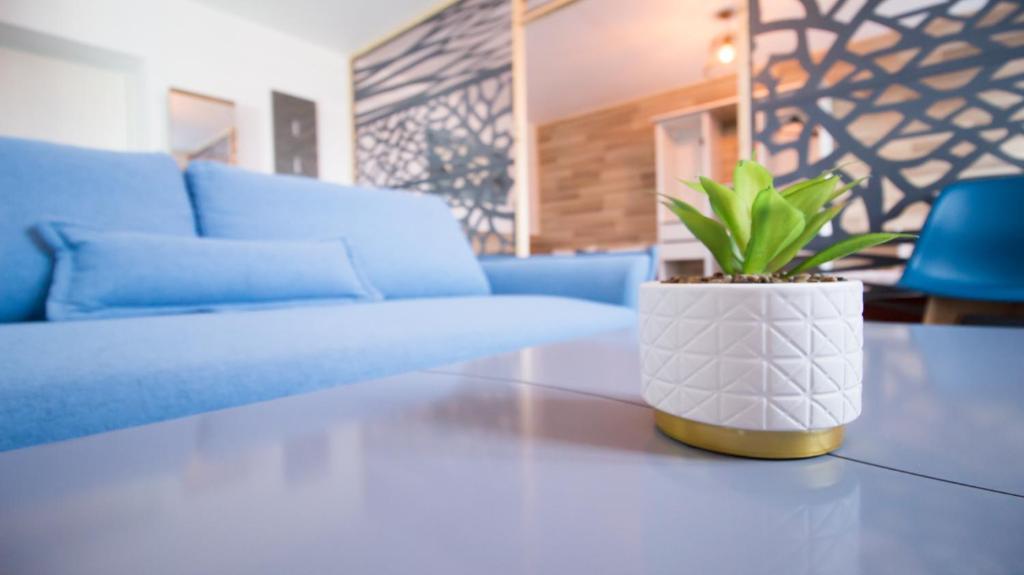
[536, 384]
[923, 476]
[641, 404]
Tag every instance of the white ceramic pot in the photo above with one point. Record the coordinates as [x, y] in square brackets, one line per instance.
[761, 370]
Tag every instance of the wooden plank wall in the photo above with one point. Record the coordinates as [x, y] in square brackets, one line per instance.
[596, 171]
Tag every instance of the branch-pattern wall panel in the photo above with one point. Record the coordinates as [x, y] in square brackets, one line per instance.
[918, 93]
[433, 113]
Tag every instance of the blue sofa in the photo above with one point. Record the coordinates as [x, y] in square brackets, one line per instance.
[439, 304]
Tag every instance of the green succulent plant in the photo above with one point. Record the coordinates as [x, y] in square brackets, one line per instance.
[760, 230]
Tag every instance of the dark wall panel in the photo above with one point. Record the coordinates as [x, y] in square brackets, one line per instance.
[295, 141]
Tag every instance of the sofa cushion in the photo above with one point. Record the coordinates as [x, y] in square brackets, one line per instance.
[103, 274]
[410, 244]
[67, 379]
[44, 182]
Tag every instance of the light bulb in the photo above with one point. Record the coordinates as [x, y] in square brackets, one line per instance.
[726, 52]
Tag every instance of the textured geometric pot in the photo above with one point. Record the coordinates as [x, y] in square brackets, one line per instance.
[759, 370]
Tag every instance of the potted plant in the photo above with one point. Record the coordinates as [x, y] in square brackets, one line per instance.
[763, 359]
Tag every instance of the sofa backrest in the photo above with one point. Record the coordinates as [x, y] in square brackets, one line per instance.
[408, 244]
[48, 182]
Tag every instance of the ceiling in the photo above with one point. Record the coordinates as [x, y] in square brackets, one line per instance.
[586, 56]
[340, 25]
[595, 53]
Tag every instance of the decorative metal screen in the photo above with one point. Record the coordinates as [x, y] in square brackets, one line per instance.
[433, 112]
[919, 93]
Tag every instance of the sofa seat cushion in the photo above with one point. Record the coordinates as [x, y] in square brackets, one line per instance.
[108, 190]
[62, 380]
[409, 244]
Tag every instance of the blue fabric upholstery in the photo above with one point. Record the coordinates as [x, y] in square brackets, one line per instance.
[45, 182]
[970, 247]
[608, 278]
[67, 379]
[410, 244]
[102, 274]
[64, 379]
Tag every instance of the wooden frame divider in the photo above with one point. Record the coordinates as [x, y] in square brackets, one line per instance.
[543, 10]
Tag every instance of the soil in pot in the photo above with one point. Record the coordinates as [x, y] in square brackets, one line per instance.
[720, 278]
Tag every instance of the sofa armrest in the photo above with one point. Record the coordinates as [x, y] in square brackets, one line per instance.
[606, 278]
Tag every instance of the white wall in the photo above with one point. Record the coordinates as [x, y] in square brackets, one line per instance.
[35, 101]
[186, 45]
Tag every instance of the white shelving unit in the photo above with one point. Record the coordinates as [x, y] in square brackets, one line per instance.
[689, 143]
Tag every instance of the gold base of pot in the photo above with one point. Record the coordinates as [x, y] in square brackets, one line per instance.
[747, 443]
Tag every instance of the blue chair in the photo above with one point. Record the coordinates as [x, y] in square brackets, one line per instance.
[972, 246]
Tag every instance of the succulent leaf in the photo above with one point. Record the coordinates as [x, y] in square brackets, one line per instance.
[797, 186]
[775, 224]
[727, 206]
[811, 229]
[809, 199]
[843, 189]
[695, 186]
[710, 233]
[844, 248]
[748, 179]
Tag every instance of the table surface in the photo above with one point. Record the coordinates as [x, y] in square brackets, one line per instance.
[541, 461]
[939, 401]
